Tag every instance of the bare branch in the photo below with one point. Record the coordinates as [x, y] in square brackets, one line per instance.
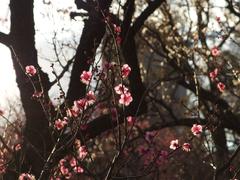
[65, 69]
[145, 14]
[5, 39]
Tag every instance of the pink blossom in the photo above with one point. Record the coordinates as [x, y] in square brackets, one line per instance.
[117, 29]
[64, 170]
[26, 176]
[62, 162]
[60, 124]
[125, 99]
[80, 104]
[73, 162]
[78, 170]
[215, 51]
[186, 147]
[174, 144]
[213, 74]
[30, 70]
[86, 77]
[131, 120]
[196, 129]
[90, 97]
[18, 147]
[221, 86]
[37, 94]
[73, 112]
[120, 89]
[82, 152]
[2, 167]
[125, 70]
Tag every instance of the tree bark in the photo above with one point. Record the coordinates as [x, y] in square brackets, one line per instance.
[35, 134]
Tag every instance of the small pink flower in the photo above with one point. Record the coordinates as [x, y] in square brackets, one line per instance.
[18, 147]
[86, 77]
[78, 170]
[64, 170]
[221, 86]
[174, 144]
[80, 104]
[2, 167]
[215, 51]
[186, 147]
[60, 124]
[73, 162]
[213, 74]
[121, 89]
[26, 176]
[196, 129]
[62, 162]
[125, 99]
[30, 70]
[82, 152]
[125, 70]
[90, 97]
[131, 120]
[37, 94]
[73, 112]
[218, 19]
[117, 29]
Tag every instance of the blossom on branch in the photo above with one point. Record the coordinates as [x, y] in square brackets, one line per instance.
[125, 70]
[215, 52]
[174, 144]
[60, 124]
[186, 147]
[125, 99]
[196, 129]
[30, 70]
[221, 87]
[86, 77]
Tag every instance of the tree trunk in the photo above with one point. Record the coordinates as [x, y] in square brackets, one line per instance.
[36, 135]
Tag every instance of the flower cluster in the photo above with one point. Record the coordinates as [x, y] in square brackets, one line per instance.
[61, 123]
[80, 105]
[26, 176]
[86, 77]
[125, 95]
[68, 167]
[174, 144]
[30, 70]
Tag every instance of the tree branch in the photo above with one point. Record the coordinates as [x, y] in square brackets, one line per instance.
[144, 15]
[5, 39]
[82, 5]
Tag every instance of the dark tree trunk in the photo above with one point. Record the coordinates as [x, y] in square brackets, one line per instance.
[93, 32]
[137, 87]
[36, 135]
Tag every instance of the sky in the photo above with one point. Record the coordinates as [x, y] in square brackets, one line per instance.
[55, 21]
